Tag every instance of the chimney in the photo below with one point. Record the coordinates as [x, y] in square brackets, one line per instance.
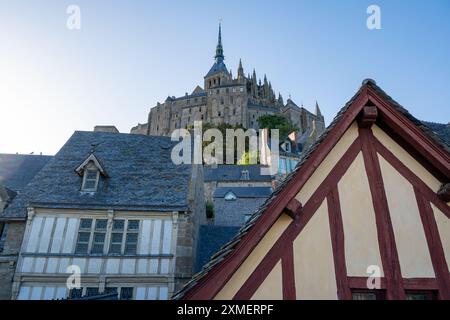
[111, 129]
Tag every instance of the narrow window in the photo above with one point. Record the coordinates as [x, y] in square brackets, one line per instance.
[368, 295]
[420, 295]
[90, 179]
[132, 237]
[84, 235]
[117, 236]
[99, 236]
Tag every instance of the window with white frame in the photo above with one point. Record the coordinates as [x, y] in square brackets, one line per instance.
[91, 236]
[230, 196]
[124, 236]
[90, 179]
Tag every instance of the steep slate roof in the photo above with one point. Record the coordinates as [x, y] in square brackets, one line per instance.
[216, 68]
[210, 239]
[440, 129]
[141, 176]
[230, 173]
[17, 170]
[229, 247]
[243, 192]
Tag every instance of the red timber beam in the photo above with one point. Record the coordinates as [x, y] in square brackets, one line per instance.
[288, 274]
[337, 241]
[434, 245]
[293, 208]
[386, 239]
[274, 255]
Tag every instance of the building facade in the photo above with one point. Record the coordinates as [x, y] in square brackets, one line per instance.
[111, 210]
[365, 216]
[16, 171]
[239, 100]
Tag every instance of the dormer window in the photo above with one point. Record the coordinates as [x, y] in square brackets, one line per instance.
[230, 196]
[90, 179]
[245, 175]
[90, 170]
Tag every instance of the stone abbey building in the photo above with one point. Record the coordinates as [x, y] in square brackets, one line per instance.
[227, 99]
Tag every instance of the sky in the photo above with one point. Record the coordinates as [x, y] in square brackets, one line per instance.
[128, 55]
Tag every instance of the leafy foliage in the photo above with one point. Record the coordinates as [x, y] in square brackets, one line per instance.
[277, 122]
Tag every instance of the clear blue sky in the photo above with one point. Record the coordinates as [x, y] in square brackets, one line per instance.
[130, 54]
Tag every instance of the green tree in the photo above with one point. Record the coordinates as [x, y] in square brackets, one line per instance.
[270, 121]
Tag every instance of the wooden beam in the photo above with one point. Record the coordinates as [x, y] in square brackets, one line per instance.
[367, 116]
[288, 274]
[293, 208]
[434, 245]
[337, 242]
[386, 239]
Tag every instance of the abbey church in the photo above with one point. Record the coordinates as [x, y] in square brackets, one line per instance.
[225, 99]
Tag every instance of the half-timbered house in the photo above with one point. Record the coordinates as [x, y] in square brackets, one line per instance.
[365, 215]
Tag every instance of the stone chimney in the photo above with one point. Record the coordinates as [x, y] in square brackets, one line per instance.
[111, 129]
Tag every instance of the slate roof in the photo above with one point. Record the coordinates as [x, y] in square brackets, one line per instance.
[243, 192]
[226, 249]
[17, 170]
[211, 238]
[440, 129]
[230, 173]
[216, 68]
[141, 176]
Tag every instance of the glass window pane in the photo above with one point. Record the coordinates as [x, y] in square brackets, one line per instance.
[91, 174]
[132, 237]
[126, 293]
[90, 184]
[420, 295]
[118, 224]
[115, 248]
[99, 237]
[117, 237]
[133, 225]
[81, 248]
[100, 224]
[83, 237]
[97, 248]
[130, 248]
[76, 293]
[364, 296]
[85, 223]
[91, 292]
[110, 290]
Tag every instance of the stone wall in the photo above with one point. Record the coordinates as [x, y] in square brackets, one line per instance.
[9, 255]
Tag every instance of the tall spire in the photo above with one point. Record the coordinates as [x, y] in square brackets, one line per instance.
[240, 70]
[318, 113]
[219, 49]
